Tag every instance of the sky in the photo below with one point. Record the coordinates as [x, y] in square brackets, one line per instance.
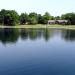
[54, 7]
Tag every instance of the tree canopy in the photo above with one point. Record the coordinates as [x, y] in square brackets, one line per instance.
[24, 18]
[70, 17]
[11, 17]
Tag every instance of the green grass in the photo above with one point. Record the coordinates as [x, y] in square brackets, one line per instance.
[41, 26]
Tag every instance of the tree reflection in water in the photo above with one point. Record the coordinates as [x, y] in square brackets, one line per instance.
[12, 35]
[68, 35]
[9, 35]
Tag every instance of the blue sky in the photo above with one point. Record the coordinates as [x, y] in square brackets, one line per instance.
[54, 7]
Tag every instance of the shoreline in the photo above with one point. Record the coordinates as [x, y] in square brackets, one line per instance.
[42, 26]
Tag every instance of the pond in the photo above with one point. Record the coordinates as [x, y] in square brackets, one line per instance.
[37, 52]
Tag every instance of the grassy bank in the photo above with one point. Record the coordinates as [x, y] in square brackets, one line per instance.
[41, 26]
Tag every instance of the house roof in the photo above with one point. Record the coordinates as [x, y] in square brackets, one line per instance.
[62, 20]
[58, 20]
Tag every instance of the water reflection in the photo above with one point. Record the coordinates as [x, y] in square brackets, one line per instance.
[12, 35]
[68, 35]
[37, 52]
[34, 34]
[46, 34]
[24, 34]
[9, 35]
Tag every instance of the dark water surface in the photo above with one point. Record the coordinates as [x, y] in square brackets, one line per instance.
[37, 52]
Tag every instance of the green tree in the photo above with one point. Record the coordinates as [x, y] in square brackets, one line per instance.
[9, 17]
[24, 18]
[33, 18]
[57, 18]
[70, 17]
[46, 17]
[40, 19]
[2, 14]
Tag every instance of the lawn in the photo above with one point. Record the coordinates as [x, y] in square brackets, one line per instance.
[41, 26]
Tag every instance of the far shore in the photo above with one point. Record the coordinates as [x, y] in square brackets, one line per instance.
[41, 26]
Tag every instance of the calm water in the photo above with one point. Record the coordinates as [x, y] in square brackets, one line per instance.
[37, 52]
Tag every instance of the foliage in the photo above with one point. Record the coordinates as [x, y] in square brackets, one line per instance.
[33, 18]
[70, 17]
[24, 18]
[46, 17]
[57, 17]
[9, 17]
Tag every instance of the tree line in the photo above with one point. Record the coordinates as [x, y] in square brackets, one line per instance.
[11, 17]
